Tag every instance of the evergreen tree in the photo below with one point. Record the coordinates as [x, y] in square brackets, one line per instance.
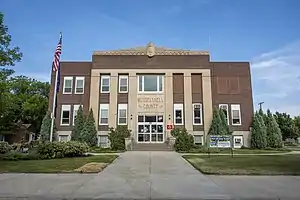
[258, 132]
[224, 123]
[274, 137]
[78, 125]
[216, 123]
[89, 132]
[46, 128]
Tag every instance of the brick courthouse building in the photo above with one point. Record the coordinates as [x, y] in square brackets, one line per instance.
[147, 88]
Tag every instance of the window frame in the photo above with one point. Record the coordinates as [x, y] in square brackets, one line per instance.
[65, 108]
[236, 107]
[143, 84]
[101, 83]
[122, 107]
[103, 107]
[227, 107]
[119, 87]
[75, 106]
[202, 139]
[79, 78]
[175, 108]
[201, 119]
[68, 78]
[238, 137]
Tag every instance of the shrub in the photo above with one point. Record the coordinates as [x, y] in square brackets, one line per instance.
[274, 137]
[50, 150]
[184, 141]
[258, 132]
[89, 132]
[46, 127]
[4, 147]
[78, 125]
[15, 156]
[117, 137]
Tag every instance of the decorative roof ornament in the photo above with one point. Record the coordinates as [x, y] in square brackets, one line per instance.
[150, 50]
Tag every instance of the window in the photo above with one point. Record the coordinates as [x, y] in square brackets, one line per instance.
[122, 114]
[224, 108]
[63, 138]
[237, 141]
[236, 114]
[198, 139]
[197, 114]
[79, 85]
[2, 138]
[75, 109]
[178, 114]
[123, 84]
[105, 83]
[103, 141]
[68, 82]
[150, 83]
[65, 115]
[103, 119]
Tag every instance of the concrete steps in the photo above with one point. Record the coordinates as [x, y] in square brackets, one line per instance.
[151, 147]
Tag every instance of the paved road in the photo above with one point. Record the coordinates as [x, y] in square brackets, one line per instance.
[145, 175]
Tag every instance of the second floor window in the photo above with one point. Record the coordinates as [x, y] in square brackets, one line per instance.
[123, 84]
[150, 83]
[105, 83]
[79, 85]
[68, 83]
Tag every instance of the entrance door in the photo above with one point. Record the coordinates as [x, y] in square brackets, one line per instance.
[150, 129]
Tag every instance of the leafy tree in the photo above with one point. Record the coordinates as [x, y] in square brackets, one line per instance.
[287, 126]
[89, 132]
[297, 125]
[46, 128]
[258, 132]
[274, 137]
[224, 125]
[216, 124]
[264, 116]
[8, 55]
[78, 125]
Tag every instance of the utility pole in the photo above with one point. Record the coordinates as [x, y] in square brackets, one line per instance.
[260, 105]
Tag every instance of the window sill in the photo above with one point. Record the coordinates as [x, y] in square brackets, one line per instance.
[64, 124]
[236, 124]
[102, 124]
[79, 93]
[154, 92]
[67, 92]
[198, 124]
[104, 92]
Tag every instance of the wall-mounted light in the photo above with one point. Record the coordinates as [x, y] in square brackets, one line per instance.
[130, 116]
[169, 117]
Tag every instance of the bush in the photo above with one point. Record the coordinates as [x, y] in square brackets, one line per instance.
[15, 156]
[258, 132]
[89, 132]
[78, 125]
[4, 147]
[50, 150]
[117, 138]
[184, 141]
[274, 137]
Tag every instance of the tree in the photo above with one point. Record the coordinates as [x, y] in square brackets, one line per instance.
[89, 132]
[78, 125]
[224, 123]
[258, 132]
[8, 55]
[46, 128]
[216, 123]
[274, 137]
[287, 126]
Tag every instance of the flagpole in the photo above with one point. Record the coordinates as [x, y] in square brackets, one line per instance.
[54, 101]
[53, 106]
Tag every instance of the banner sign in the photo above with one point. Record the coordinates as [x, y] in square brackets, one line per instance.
[220, 141]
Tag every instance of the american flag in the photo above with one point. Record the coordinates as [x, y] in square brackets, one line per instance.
[57, 54]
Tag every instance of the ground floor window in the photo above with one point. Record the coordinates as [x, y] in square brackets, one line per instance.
[63, 138]
[2, 138]
[198, 140]
[238, 141]
[150, 128]
[103, 141]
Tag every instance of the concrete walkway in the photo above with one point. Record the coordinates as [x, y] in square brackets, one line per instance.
[145, 175]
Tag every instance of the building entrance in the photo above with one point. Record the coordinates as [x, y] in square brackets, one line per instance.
[150, 129]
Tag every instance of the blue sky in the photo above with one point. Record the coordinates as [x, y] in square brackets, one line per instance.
[264, 32]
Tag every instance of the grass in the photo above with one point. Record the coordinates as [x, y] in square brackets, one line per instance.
[239, 151]
[247, 165]
[104, 150]
[52, 166]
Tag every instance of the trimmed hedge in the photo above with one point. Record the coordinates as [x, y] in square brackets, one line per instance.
[15, 156]
[50, 150]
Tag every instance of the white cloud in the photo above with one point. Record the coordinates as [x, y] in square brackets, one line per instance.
[276, 78]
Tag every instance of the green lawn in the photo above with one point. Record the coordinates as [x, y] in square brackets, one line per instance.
[247, 165]
[53, 165]
[239, 151]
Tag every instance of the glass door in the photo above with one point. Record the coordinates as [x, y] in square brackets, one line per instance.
[150, 129]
